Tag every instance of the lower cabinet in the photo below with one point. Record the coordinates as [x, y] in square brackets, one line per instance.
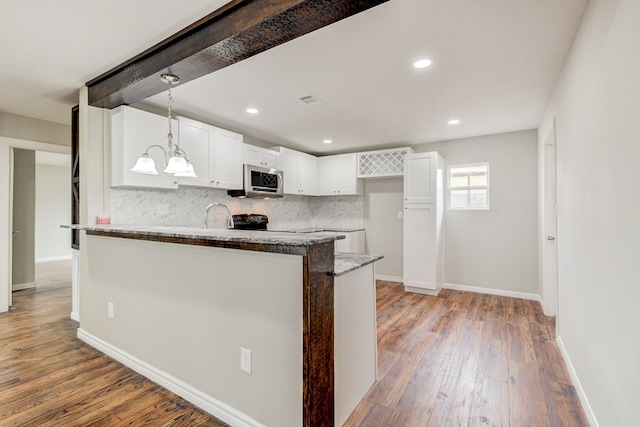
[353, 242]
[423, 253]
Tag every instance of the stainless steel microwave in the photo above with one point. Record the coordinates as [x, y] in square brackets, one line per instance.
[260, 182]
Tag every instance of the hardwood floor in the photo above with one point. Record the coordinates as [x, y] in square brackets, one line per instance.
[466, 359]
[461, 359]
[50, 378]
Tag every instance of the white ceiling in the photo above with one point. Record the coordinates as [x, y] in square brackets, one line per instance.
[494, 66]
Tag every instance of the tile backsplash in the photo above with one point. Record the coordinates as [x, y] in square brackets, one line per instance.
[185, 208]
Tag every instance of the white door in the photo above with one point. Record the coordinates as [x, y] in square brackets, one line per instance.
[550, 242]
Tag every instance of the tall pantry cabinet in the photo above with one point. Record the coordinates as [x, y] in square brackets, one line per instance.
[423, 242]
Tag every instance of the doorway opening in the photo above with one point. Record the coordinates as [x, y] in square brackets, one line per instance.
[40, 204]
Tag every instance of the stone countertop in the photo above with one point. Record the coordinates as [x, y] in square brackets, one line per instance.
[319, 230]
[220, 235]
[343, 262]
[347, 262]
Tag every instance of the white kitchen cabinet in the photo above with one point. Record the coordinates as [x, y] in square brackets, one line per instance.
[422, 265]
[258, 156]
[216, 155]
[423, 231]
[353, 242]
[337, 175]
[132, 132]
[420, 178]
[300, 172]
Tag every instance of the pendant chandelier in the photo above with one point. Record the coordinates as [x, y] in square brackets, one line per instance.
[175, 159]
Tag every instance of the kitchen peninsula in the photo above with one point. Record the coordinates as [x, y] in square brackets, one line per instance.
[178, 304]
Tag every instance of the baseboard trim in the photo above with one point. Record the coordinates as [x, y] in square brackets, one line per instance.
[23, 286]
[75, 316]
[490, 291]
[576, 383]
[389, 278]
[55, 258]
[207, 403]
[430, 292]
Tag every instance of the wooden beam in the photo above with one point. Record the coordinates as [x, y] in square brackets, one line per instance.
[237, 31]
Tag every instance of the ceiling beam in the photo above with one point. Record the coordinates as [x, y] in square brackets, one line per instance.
[236, 31]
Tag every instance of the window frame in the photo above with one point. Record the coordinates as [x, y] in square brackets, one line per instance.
[469, 188]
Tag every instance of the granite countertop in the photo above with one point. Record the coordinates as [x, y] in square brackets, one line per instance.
[222, 235]
[319, 230]
[343, 262]
[347, 262]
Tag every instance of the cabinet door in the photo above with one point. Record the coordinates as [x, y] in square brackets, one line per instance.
[270, 159]
[132, 132]
[290, 168]
[348, 183]
[419, 249]
[227, 160]
[196, 139]
[420, 178]
[259, 156]
[252, 155]
[327, 176]
[307, 174]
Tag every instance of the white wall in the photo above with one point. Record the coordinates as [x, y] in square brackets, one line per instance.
[597, 104]
[382, 202]
[53, 208]
[497, 248]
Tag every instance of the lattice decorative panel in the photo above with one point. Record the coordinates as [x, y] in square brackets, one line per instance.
[383, 163]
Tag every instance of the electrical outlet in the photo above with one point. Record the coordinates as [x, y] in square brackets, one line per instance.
[245, 360]
[400, 215]
[110, 310]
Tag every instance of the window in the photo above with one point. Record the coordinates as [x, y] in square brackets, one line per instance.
[468, 186]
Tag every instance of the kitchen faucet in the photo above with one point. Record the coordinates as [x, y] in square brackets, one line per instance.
[206, 214]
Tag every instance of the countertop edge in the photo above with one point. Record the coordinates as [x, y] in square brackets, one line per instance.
[348, 262]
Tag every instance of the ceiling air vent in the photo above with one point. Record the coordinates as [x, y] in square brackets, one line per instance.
[311, 99]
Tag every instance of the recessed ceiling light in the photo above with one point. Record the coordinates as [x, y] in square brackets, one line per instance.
[423, 63]
[327, 141]
[252, 110]
[453, 122]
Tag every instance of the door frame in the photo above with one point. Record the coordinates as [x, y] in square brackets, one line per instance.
[549, 234]
[6, 194]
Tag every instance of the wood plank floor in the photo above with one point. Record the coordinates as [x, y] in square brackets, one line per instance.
[50, 378]
[461, 359]
[466, 359]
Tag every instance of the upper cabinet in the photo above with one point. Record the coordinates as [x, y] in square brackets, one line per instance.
[258, 156]
[216, 155]
[337, 175]
[132, 132]
[421, 179]
[300, 172]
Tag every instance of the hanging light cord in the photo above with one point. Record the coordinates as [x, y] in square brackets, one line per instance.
[170, 135]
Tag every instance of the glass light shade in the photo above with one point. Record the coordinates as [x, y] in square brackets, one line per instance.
[146, 165]
[177, 164]
[190, 174]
